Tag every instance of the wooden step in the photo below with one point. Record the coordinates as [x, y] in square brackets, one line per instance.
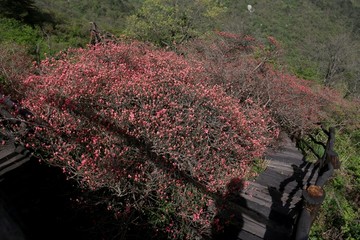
[308, 170]
[269, 230]
[245, 235]
[288, 183]
[270, 203]
[289, 155]
[12, 158]
[20, 161]
[243, 225]
[7, 150]
[265, 192]
[260, 214]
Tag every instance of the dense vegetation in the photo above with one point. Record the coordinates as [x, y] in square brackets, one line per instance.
[232, 90]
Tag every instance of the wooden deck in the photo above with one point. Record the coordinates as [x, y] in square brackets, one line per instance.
[274, 198]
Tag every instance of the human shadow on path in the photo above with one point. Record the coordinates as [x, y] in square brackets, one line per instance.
[228, 221]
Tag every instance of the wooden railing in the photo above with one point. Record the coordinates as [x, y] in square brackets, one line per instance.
[314, 195]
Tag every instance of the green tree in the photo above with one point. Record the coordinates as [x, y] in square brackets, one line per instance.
[339, 58]
[167, 22]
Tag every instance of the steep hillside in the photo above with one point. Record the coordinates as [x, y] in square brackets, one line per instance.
[320, 38]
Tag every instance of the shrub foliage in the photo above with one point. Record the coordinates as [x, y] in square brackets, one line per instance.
[144, 123]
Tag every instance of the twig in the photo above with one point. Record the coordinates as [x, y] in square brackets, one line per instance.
[259, 65]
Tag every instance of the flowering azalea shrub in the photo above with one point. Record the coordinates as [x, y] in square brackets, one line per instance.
[145, 124]
[240, 64]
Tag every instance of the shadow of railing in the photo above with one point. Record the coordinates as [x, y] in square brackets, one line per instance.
[283, 216]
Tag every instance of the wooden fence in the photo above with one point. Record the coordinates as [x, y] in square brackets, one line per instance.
[314, 195]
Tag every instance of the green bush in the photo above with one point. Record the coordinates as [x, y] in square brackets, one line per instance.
[17, 32]
[165, 23]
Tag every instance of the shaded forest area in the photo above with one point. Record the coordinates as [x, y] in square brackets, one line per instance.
[316, 40]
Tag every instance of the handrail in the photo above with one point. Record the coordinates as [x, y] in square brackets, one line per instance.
[314, 195]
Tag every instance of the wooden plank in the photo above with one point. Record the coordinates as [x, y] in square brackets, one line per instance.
[277, 210]
[276, 194]
[269, 210]
[273, 200]
[7, 159]
[308, 172]
[288, 167]
[256, 223]
[245, 235]
[261, 230]
[9, 149]
[288, 155]
[255, 227]
[16, 164]
[280, 165]
[265, 192]
[275, 179]
[15, 157]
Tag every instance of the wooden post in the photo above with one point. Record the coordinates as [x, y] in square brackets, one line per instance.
[313, 197]
[333, 158]
[94, 34]
[329, 149]
[324, 174]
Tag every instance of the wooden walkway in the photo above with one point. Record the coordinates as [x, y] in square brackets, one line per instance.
[274, 200]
